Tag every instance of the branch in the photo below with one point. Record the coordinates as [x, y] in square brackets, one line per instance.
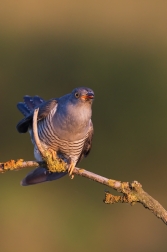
[132, 192]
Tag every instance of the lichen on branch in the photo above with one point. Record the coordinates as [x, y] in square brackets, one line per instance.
[131, 192]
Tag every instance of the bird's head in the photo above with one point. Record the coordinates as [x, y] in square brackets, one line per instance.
[83, 95]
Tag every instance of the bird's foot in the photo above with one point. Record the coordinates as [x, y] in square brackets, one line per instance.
[53, 153]
[54, 163]
[71, 168]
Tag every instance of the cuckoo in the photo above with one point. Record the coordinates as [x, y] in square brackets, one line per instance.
[64, 126]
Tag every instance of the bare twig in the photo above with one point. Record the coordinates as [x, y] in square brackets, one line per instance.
[132, 192]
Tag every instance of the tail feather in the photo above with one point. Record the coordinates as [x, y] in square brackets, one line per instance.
[26, 108]
[24, 124]
[23, 108]
[40, 175]
[38, 100]
[29, 104]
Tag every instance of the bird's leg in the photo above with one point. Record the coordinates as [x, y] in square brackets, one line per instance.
[71, 168]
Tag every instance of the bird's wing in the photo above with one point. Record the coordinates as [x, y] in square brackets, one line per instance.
[44, 109]
[88, 143]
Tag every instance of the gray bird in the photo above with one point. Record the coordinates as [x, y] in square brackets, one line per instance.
[64, 126]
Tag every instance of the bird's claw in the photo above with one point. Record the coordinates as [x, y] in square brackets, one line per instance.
[70, 169]
[53, 153]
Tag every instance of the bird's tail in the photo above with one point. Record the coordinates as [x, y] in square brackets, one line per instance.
[40, 175]
[29, 104]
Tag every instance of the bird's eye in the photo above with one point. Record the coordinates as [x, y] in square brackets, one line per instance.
[77, 95]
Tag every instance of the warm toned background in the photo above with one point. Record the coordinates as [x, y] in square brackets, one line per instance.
[119, 49]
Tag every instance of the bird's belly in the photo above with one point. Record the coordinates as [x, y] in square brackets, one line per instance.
[65, 148]
[71, 149]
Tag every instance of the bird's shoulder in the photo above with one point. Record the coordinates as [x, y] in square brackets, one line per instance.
[46, 108]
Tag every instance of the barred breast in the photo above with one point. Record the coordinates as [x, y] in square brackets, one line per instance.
[48, 137]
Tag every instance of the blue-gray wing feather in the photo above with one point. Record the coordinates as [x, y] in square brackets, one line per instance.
[27, 108]
[87, 144]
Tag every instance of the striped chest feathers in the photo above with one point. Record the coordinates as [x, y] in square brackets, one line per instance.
[61, 138]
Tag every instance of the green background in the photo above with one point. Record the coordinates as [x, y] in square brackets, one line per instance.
[119, 49]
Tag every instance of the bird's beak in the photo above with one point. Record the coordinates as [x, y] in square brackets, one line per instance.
[88, 96]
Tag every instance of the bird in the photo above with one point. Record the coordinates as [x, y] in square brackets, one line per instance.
[64, 126]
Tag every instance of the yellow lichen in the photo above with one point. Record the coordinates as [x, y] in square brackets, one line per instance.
[13, 165]
[111, 182]
[54, 164]
[81, 170]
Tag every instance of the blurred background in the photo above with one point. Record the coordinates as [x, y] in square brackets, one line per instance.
[119, 49]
